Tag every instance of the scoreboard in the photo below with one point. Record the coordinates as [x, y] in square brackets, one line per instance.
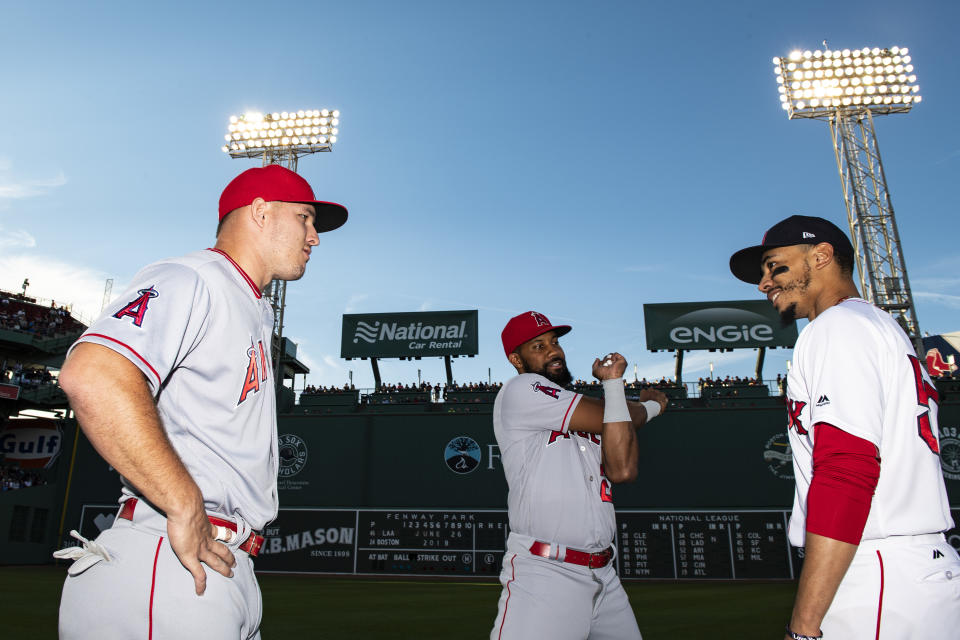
[746, 544]
[651, 545]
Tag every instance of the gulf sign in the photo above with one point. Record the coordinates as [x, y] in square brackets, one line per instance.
[31, 443]
[732, 324]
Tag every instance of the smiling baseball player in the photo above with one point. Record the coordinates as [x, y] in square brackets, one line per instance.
[561, 451]
[870, 504]
[174, 386]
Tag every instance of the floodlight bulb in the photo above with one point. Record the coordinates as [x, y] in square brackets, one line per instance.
[783, 98]
[875, 50]
[284, 140]
[224, 148]
[284, 115]
[324, 113]
[776, 60]
[233, 119]
[336, 113]
[915, 88]
[846, 53]
[904, 51]
[275, 116]
[908, 68]
[234, 146]
[815, 102]
[807, 54]
[817, 53]
[334, 138]
[313, 140]
[780, 80]
[785, 106]
[335, 121]
[300, 113]
[917, 98]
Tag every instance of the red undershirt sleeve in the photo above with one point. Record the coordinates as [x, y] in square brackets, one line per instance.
[845, 473]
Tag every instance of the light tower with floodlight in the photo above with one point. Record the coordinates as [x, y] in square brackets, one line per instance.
[847, 88]
[281, 138]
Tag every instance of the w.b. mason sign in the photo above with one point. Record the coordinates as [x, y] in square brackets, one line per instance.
[406, 335]
[732, 324]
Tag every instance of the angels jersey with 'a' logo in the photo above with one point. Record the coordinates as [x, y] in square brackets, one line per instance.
[854, 368]
[558, 493]
[199, 330]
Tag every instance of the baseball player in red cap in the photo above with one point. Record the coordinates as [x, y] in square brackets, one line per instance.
[870, 506]
[174, 386]
[561, 452]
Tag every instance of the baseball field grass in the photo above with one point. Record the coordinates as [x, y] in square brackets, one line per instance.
[323, 607]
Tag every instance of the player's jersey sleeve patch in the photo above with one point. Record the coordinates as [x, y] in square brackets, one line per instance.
[156, 321]
[533, 403]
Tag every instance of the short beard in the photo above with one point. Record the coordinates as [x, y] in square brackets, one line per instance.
[789, 315]
[561, 377]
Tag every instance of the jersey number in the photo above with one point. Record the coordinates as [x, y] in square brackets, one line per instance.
[606, 489]
[925, 394]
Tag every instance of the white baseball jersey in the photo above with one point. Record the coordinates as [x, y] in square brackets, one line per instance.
[558, 493]
[854, 368]
[199, 330]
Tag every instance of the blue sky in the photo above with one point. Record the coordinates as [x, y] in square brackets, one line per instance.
[580, 159]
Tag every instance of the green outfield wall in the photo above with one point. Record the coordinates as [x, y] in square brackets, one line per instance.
[701, 455]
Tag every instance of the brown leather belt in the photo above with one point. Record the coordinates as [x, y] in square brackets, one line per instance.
[582, 558]
[251, 545]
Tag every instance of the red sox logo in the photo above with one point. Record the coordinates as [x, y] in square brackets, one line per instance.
[256, 371]
[137, 308]
[937, 365]
[553, 392]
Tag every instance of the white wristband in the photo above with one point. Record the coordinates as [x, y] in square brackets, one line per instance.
[614, 401]
[652, 407]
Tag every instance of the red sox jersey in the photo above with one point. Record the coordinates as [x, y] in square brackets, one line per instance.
[854, 368]
[557, 490]
[199, 330]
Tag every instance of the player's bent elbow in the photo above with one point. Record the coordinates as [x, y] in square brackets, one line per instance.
[626, 474]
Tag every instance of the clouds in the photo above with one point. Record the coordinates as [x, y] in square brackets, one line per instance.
[16, 239]
[53, 278]
[12, 188]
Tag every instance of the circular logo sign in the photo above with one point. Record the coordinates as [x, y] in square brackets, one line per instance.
[293, 454]
[462, 454]
[950, 457]
[778, 456]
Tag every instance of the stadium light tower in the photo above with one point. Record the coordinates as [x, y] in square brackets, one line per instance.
[281, 138]
[847, 88]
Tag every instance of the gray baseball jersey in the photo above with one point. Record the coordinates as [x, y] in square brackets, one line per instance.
[199, 330]
[559, 497]
[558, 492]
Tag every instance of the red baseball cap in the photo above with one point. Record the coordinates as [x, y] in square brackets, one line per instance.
[527, 326]
[274, 183]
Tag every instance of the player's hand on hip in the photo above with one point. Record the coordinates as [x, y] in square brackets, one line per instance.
[609, 367]
[192, 539]
[657, 396]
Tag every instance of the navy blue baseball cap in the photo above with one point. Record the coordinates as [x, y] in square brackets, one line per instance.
[745, 264]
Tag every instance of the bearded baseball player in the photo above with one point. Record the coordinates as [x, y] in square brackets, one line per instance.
[870, 506]
[561, 451]
[173, 385]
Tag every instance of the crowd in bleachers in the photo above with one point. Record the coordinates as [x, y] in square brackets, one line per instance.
[643, 383]
[26, 376]
[312, 390]
[729, 386]
[13, 477]
[23, 314]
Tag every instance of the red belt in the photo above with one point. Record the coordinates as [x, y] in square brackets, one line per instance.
[251, 545]
[582, 558]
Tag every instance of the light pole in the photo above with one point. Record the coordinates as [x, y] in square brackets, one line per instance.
[281, 138]
[847, 88]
